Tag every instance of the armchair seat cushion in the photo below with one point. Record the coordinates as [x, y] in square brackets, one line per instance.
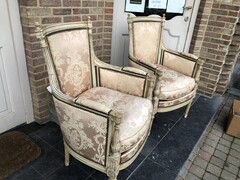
[173, 84]
[136, 113]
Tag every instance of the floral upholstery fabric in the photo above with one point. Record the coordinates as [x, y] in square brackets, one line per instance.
[136, 113]
[70, 52]
[145, 44]
[174, 85]
[83, 131]
[117, 81]
[178, 63]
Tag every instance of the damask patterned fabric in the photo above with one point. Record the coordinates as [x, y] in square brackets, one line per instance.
[131, 152]
[145, 44]
[117, 81]
[178, 63]
[136, 113]
[70, 52]
[180, 100]
[83, 131]
[174, 85]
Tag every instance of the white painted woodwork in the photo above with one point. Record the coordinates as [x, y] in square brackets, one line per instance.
[177, 32]
[15, 97]
[119, 35]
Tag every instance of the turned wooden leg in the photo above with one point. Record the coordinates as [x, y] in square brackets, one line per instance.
[109, 178]
[187, 110]
[67, 156]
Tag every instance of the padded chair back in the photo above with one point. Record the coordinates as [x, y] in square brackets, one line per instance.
[70, 53]
[145, 37]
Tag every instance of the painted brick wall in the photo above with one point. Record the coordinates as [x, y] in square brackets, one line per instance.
[214, 40]
[58, 11]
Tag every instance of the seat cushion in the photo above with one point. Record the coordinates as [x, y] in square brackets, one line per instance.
[174, 85]
[136, 113]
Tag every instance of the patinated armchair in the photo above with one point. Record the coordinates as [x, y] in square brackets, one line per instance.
[105, 112]
[177, 73]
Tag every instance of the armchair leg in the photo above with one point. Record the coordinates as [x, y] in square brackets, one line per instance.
[187, 110]
[110, 178]
[67, 156]
[113, 168]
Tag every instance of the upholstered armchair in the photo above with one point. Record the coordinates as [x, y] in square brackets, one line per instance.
[177, 73]
[105, 112]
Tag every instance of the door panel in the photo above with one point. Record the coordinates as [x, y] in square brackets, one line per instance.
[12, 111]
[171, 41]
[178, 30]
[174, 38]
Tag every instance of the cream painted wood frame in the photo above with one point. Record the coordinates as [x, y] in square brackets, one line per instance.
[112, 166]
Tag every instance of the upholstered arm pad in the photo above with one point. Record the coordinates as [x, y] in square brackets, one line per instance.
[140, 64]
[124, 81]
[184, 63]
[87, 104]
[92, 105]
[179, 62]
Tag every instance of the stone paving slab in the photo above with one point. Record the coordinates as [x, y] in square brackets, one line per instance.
[217, 154]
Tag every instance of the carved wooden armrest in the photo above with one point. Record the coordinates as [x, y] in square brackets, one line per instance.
[149, 66]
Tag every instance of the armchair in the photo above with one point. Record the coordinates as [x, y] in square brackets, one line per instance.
[177, 73]
[105, 112]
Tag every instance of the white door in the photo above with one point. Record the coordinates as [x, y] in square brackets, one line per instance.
[177, 32]
[119, 51]
[14, 107]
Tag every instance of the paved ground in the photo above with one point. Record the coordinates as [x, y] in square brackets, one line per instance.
[217, 155]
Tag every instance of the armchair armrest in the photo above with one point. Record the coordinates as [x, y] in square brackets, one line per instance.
[125, 79]
[88, 132]
[194, 57]
[141, 64]
[81, 103]
[93, 105]
[185, 63]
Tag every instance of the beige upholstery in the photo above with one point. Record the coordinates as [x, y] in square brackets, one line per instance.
[105, 112]
[71, 60]
[177, 73]
[135, 110]
[173, 84]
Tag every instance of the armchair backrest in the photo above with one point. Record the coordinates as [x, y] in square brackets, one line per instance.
[68, 51]
[145, 35]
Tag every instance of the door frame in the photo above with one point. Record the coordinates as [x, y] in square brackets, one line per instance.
[17, 34]
[191, 25]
